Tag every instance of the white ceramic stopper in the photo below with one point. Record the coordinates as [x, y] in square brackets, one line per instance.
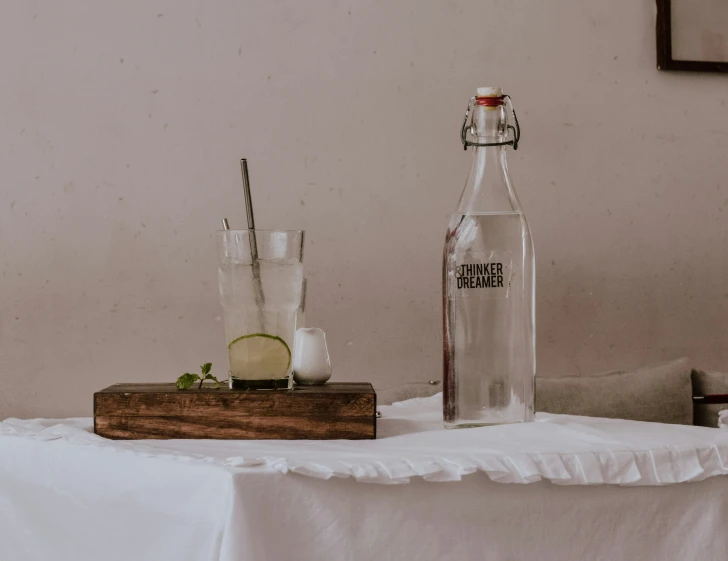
[489, 91]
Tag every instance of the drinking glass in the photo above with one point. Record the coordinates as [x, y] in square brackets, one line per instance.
[261, 277]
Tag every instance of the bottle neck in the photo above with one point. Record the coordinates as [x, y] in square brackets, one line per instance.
[489, 123]
[489, 187]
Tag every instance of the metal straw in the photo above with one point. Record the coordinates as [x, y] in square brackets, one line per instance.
[249, 208]
[257, 283]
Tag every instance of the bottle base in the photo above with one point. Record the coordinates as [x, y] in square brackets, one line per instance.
[469, 425]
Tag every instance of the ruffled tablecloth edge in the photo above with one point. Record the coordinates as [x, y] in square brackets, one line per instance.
[662, 466]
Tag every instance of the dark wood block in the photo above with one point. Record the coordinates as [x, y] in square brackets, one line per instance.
[161, 411]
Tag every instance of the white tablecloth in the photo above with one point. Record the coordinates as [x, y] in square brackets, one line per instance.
[625, 491]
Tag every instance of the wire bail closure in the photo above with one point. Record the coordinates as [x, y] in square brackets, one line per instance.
[516, 131]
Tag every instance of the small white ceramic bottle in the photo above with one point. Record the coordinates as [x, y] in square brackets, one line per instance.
[311, 362]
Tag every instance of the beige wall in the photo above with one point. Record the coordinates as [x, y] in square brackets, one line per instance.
[122, 124]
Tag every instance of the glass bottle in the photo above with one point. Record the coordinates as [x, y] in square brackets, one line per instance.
[488, 281]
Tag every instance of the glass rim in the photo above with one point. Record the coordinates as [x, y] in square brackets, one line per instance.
[260, 231]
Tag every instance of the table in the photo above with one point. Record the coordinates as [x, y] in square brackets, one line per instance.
[563, 488]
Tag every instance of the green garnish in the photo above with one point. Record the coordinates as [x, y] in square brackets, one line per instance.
[187, 379]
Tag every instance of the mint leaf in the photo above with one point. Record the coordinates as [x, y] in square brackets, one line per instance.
[211, 377]
[186, 380]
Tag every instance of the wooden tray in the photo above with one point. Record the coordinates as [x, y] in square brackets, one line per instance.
[161, 411]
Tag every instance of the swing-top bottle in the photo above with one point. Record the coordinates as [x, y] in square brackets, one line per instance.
[488, 280]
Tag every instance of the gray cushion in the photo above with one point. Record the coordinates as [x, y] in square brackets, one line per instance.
[661, 393]
[708, 383]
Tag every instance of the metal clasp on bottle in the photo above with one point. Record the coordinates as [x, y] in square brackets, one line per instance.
[515, 130]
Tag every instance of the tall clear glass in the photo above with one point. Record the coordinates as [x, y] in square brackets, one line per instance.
[488, 287]
[260, 274]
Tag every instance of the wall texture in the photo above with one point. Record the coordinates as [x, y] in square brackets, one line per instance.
[121, 126]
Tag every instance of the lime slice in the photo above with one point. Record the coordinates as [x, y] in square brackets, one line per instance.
[259, 356]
